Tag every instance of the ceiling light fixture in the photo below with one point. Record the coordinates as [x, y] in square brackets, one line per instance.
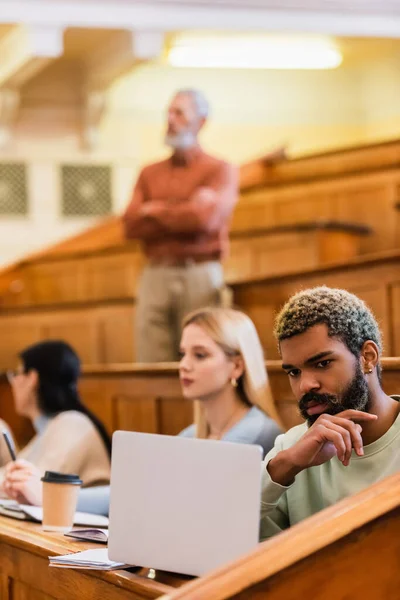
[253, 52]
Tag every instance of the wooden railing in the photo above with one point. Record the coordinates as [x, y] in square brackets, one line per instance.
[349, 550]
[354, 160]
[148, 398]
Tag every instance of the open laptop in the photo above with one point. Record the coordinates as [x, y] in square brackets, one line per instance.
[182, 505]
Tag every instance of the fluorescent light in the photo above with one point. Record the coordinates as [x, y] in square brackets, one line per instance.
[252, 52]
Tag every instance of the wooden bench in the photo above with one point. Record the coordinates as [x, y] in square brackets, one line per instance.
[349, 550]
[148, 398]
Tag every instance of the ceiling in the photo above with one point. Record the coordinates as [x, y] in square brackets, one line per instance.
[366, 18]
[386, 7]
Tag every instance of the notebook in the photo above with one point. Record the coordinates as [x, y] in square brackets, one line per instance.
[26, 512]
[182, 505]
[89, 535]
[96, 559]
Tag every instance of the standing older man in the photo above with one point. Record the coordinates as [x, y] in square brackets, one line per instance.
[180, 211]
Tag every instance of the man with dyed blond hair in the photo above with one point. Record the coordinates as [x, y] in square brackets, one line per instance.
[330, 345]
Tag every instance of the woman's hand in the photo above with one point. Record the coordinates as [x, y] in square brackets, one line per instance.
[22, 482]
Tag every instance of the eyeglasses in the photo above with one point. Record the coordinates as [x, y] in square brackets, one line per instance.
[11, 373]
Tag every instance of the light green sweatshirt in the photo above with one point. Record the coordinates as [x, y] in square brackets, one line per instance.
[319, 487]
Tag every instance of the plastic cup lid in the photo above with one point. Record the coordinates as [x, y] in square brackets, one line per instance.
[55, 477]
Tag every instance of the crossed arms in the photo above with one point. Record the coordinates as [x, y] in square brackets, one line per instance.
[205, 211]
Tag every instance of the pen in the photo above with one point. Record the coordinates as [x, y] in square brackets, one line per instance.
[9, 445]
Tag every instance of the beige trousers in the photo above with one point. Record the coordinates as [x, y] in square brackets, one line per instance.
[165, 296]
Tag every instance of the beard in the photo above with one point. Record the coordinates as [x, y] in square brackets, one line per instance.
[180, 141]
[356, 397]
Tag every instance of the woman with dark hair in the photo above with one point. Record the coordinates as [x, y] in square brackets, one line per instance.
[69, 438]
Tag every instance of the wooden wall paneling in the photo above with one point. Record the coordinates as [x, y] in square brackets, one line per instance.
[21, 591]
[116, 324]
[338, 560]
[372, 576]
[114, 276]
[395, 315]
[282, 252]
[323, 557]
[263, 315]
[372, 282]
[371, 203]
[366, 199]
[58, 281]
[5, 585]
[342, 162]
[17, 332]
[136, 414]
[15, 288]
[332, 246]
[78, 327]
[300, 205]
[253, 211]
[397, 208]
[242, 262]
[32, 575]
[262, 304]
[97, 394]
[24, 552]
[174, 414]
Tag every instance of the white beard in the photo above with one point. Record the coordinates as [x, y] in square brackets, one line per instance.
[181, 141]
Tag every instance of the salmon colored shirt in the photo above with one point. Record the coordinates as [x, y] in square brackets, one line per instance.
[181, 208]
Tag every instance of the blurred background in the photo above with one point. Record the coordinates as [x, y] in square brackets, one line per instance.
[84, 86]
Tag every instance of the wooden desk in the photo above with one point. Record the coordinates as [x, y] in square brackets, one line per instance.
[349, 550]
[25, 573]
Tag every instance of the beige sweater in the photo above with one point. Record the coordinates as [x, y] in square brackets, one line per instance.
[70, 443]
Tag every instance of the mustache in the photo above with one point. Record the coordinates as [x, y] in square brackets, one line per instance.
[329, 399]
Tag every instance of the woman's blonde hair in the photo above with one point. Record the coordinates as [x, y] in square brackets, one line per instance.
[236, 335]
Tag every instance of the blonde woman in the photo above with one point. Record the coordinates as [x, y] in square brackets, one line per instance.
[222, 369]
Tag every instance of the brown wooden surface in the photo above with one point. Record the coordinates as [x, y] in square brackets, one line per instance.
[353, 160]
[148, 398]
[102, 330]
[349, 550]
[72, 275]
[375, 279]
[25, 573]
[84, 289]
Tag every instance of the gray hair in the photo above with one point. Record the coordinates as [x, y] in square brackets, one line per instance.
[346, 316]
[198, 99]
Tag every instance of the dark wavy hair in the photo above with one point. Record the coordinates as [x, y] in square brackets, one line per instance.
[59, 367]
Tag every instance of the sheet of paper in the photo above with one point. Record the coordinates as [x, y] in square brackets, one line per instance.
[90, 535]
[89, 559]
[8, 503]
[36, 513]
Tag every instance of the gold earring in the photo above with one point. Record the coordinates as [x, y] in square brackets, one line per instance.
[234, 382]
[369, 371]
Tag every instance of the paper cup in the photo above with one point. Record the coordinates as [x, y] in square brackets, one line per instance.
[60, 497]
